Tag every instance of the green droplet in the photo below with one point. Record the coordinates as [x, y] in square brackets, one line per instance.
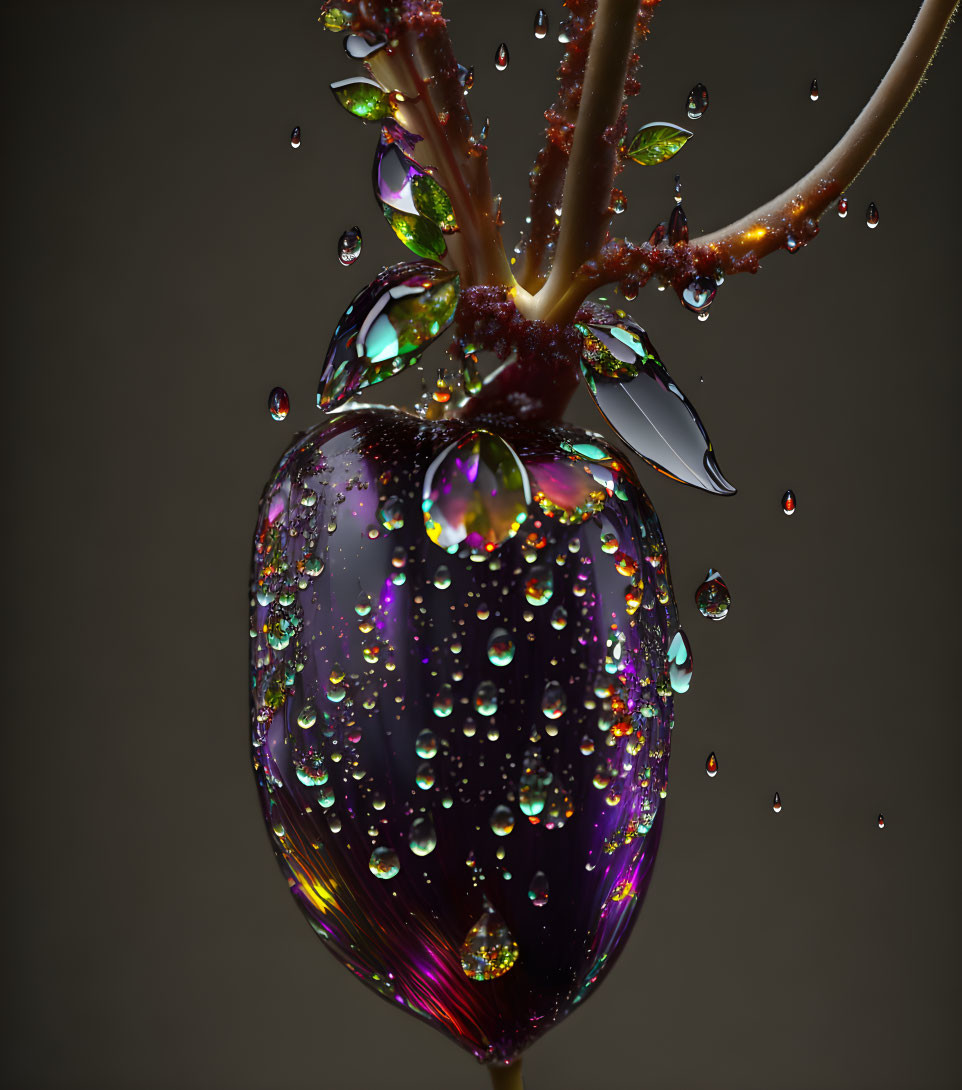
[364, 98]
[432, 202]
[656, 143]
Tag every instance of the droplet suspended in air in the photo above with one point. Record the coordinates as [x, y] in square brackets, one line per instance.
[489, 950]
[697, 101]
[296, 136]
[349, 246]
[422, 838]
[842, 207]
[541, 24]
[278, 403]
[788, 503]
[443, 703]
[813, 91]
[384, 863]
[777, 803]
[871, 216]
[713, 598]
[680, 664]
[881, 821]
[501, 58]
[711, 765]
[677, 226]
[500, 647]
[426, 743]
[538, 890]
[502, 821]
[554, 702]
[486, 698]
[676, 192]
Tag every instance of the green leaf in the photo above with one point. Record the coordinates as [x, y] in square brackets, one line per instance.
[433, 202]
[364, 98]
[416, 232]
[657, 142]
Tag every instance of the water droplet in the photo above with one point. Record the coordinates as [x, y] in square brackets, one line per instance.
[384, 863]
[278, 403]
[587, 746]
[465, 78]
[713, 598]
[538, 890]
[296, 136]
[700, 294]
[813, 91]
[541, 24]
[391, 513]
[426, 743]
[489, 950]
[442, 578]
[871, 216]
[842, 207]
[680, 664]
[711, 765]
[500, 647]
[486, 698]
[881, 821]
[677, 226]
[307, 717]
[618, 202]
[424, 777]
[676, 193]
[788, 502]
[697, 101]
[349, 246]
[360, 46]
[502, 821]
[777, 803]
[559, 618]
[554, 702]
[501, 58]
[422, 837]
[444, 702]
[539, 587]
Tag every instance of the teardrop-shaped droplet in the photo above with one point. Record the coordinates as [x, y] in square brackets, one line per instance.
[677, 226]
[871, 216]
[713, 598]
[699, 294]
[697, 101]
[422, 837]
[788, 503]
[502, 820]
[813, 91]
[476, 491]
[842, 207]
[501, 58]
[711, 765]
[278, 403]
[384, 863]
[426, 744]
[538, 890]
[777, 803]
[881, 821]
[361, 46]
[559, 618]
[486, 698]
[489, 949]
[539, 587]
[554, 702]
[424, 776]
[500, 647]
[349, 246]
[680, 664]
[296, 136]
[541, 24]
[443, 703]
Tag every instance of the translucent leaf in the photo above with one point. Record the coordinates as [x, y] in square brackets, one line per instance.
[386, 327]
[636, 395]
[433, 203]
[364, 98]
[657, 142]
[419, 235]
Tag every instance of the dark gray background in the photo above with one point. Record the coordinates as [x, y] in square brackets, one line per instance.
[169, 258]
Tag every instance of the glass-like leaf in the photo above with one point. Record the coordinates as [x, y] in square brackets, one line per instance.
[420, 235]
[636, 395]
[433, 203]
[364, 98]
[394, 172]
[657, 142]
[386, 327]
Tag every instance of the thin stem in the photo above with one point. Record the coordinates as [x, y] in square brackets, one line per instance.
[507, 1078]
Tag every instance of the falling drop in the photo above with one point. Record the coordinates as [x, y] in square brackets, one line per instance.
[500, 647]
[777, 803]
[278, 403]
[501, 58]
[489, 950]
[384, 863]
[677, 189]
[541, 24]
[559, 618]
[538, 890]
[788, 503]
[813, 91]
[296, 136]
[842, 207]
[711, 765]
[349, 246]
[426, 744]
[680, 663]
[486, 698]
[554, 703]
[424, 777]
[871, 216]
[502, 821]
[881, 821]
[539, 588]
[422, 838]
[713, 598]
[697, 101]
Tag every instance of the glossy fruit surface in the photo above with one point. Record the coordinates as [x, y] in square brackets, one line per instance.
[461, 752]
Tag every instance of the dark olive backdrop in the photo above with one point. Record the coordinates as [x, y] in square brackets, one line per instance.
[169, 258]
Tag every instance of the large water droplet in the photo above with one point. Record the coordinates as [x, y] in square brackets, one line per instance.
[501, 58]
[360, 46]
[871, 216]
[777, 803]
[422, 838]
[296, 136]
[278, 403]
[486, 698]
[384, 863]
[554, 702]
[677, 225]
[538, 890]
[391, 513]
[697, 101]
[489, 950]
[349, 246]
[711, 765]
[426, 744]
[502, 821]
[788, 503]
[713, 598]
[813, 90]
[700, 293]
[500, 647]
[680, 664]
[424, 777]
[475, 491]
[539, 587]
[541, 24]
